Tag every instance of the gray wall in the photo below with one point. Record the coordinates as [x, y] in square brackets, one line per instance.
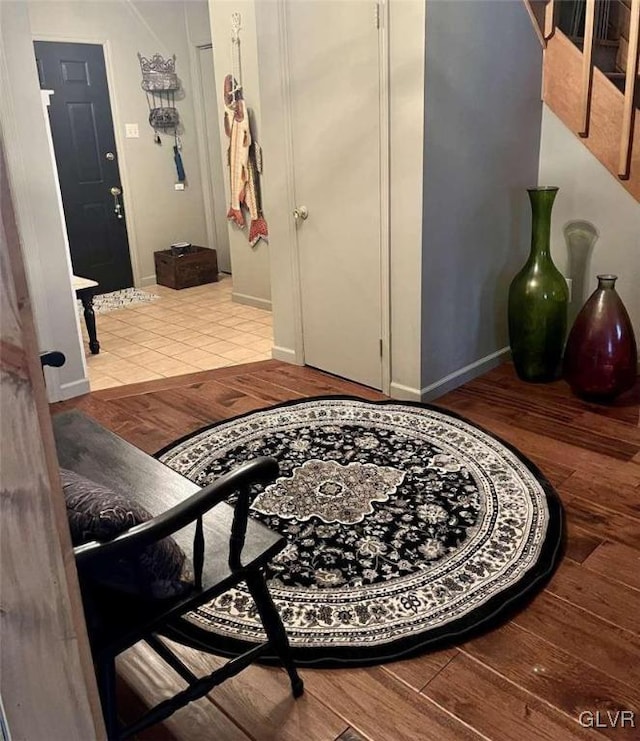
[482, 141]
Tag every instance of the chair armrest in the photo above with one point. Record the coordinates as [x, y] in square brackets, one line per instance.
[259, 470]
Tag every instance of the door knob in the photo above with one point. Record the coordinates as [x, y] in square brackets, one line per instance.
[117, 207]
[301, 212]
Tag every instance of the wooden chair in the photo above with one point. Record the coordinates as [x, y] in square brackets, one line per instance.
[227, 547]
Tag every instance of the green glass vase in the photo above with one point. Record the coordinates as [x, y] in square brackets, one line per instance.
[538, 300]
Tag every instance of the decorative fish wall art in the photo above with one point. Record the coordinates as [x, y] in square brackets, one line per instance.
[244, 156]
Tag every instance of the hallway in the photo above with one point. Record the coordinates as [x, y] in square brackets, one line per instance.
[182, 332]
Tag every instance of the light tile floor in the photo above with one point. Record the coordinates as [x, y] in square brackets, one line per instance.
[183, 331]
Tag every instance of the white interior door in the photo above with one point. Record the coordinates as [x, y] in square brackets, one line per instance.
[215, 210]
[335, 114]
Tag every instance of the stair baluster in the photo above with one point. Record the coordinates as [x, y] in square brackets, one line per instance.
[587, 66]
[631, 82]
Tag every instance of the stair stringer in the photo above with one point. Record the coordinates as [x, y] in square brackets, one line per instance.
[562, 92]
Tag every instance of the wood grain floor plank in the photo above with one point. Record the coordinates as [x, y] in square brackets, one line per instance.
[259, 700]
[554, 470]
[560, 422]
[421, 670]
[351, 735]
[268, 393]
[501, 710]
[400, 713]
[150, 678]
[216, 402]
[157, 412]
[626, 430]
[618, 498]
[134, 428]
[580, 543]
[511, 403]
[615, 561]
[557, 395]
[320, 384]
[608, 600]
[535, 445]
[584, 438]
[574, 648]
[604, 523]
[131, 707]
[553, 675]
[190, 379]
[600, 644]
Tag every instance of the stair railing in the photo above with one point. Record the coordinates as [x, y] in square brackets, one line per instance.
[631, 83]
[544, 15]
[587, 66]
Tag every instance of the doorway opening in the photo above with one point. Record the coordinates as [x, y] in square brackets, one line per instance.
[181, 331]
[87, 161]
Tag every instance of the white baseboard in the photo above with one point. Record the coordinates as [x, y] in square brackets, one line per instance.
[457, 378]
[404, 393]
[75, 388]
[259, 303]
[285, 354]
[147, 280]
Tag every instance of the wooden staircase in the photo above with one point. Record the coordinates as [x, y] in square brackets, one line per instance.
[592, 83]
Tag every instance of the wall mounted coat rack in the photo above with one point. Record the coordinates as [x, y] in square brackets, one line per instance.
[161, 83]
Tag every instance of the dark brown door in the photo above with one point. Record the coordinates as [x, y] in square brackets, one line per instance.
[85, 148]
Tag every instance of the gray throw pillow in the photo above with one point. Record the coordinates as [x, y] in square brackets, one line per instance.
[95, 512]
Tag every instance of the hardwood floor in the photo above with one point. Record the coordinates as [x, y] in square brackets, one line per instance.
[575, 648]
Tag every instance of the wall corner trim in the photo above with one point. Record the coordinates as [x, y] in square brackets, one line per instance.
[462, 375]
[243, 298]
[147, 280]
[286, 354]
[404, 393]
[74, 388]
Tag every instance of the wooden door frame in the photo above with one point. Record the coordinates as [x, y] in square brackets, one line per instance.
[47, 680]
[385, 200]
[123, 168]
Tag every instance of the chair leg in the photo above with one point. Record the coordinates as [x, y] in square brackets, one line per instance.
[274, 628]
[106, 676]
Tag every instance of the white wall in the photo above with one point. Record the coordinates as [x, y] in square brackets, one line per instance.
[482, 134]
[589, 192]
[34, 188]
[250, 266]
[157, 215]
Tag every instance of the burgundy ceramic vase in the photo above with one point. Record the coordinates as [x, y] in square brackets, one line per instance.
[601, 357]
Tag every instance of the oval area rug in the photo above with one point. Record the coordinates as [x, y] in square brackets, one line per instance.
[408, 527]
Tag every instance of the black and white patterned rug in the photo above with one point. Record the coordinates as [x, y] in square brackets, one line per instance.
[103, 303]
[408, 527]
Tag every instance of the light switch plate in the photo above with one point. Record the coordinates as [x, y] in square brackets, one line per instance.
[179, 186]
[131, 131]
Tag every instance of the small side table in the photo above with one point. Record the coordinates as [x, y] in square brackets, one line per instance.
[85, 289]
